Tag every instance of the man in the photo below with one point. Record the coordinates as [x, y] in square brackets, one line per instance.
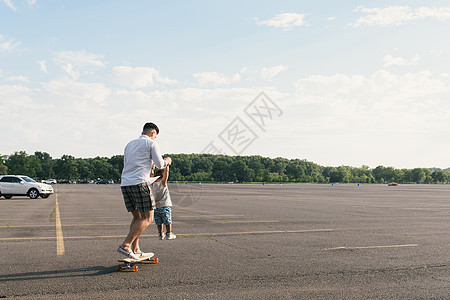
[139, 156]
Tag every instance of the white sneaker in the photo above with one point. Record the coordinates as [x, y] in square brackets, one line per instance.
[162, 235]
[170, 236]
[126, 253]
[145, 255]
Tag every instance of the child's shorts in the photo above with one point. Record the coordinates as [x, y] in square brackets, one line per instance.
[163, 215]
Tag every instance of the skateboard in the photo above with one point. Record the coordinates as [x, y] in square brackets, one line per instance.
[130, 264]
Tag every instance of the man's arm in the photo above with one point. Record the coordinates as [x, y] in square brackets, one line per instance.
[160, 163]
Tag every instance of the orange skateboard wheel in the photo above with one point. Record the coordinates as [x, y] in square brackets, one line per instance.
[119, 268]
[155, 260]
[135, 268]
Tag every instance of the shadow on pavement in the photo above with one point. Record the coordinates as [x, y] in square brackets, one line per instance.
[69, 273]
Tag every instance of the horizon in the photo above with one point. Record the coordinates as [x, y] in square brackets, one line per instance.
[337, 84]
[325, 166]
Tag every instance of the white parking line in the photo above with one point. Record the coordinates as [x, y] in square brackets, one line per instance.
[371, 247]
[178, 234]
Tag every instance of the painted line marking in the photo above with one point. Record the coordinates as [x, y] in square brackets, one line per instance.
[126, 224]
[59, 234]
[371, 247]
[66, 225]
[243, 221]
[178, 234]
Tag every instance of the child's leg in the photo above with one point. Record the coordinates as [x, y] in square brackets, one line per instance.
[159, 222]
[168, 223]
[167, 218]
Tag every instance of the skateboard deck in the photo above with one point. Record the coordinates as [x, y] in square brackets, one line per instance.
[130, 264]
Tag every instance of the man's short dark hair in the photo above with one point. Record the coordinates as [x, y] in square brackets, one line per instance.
[150, 127]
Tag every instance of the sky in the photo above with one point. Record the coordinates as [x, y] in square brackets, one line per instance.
[333, 82]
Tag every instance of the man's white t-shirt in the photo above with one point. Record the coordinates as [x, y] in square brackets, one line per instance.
[138, 157]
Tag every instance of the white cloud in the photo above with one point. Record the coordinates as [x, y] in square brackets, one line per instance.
[8, 44]
[13, 96]
[18, 78]
[246, 74]
[436, 52]
[382, 116]
[389, 60]
[68, 68]
[398, 15]
[9, 4]
[42, 66]
[79, 58]
[217, 79]
[72, 61]
[269, 73]
[139, 77]
[381, 86]
[286, 21]
[331, 18]
[68, 89]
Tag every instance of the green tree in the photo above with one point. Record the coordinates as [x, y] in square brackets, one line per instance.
[84, 168]
[241, 171]
[418, 175]
[386, 174]
[47, 164]
[428, 177]
[202, 163]
[279, 165]
[66, 167]
[222, 171]
[295, 170]
[3, 167]
[406, 176]
[342, 174]
[23, 164]
[116, 162]
[102, 168]
[440, 176]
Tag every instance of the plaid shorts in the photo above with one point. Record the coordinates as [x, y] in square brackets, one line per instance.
[138, 197]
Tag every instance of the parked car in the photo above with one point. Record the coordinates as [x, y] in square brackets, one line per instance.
[64, 181]
[393, 184]
[49, 181]
[20, 185]
[105, 181]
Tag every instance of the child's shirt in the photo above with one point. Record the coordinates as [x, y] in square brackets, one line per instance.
[162, 195]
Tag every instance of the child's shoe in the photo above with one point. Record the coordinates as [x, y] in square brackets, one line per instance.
[170, 236]
[162, 235]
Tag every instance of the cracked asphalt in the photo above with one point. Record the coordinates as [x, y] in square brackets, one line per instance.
[249, 241]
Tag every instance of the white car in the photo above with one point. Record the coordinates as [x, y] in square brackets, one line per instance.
[49, 181]
[20, 185]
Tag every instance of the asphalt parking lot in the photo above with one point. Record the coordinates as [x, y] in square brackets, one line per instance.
[249, 241]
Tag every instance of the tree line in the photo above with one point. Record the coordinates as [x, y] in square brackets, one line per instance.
[216, 168]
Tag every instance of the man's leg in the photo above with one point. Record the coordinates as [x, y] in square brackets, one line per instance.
[135, 245]
[140, 222]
